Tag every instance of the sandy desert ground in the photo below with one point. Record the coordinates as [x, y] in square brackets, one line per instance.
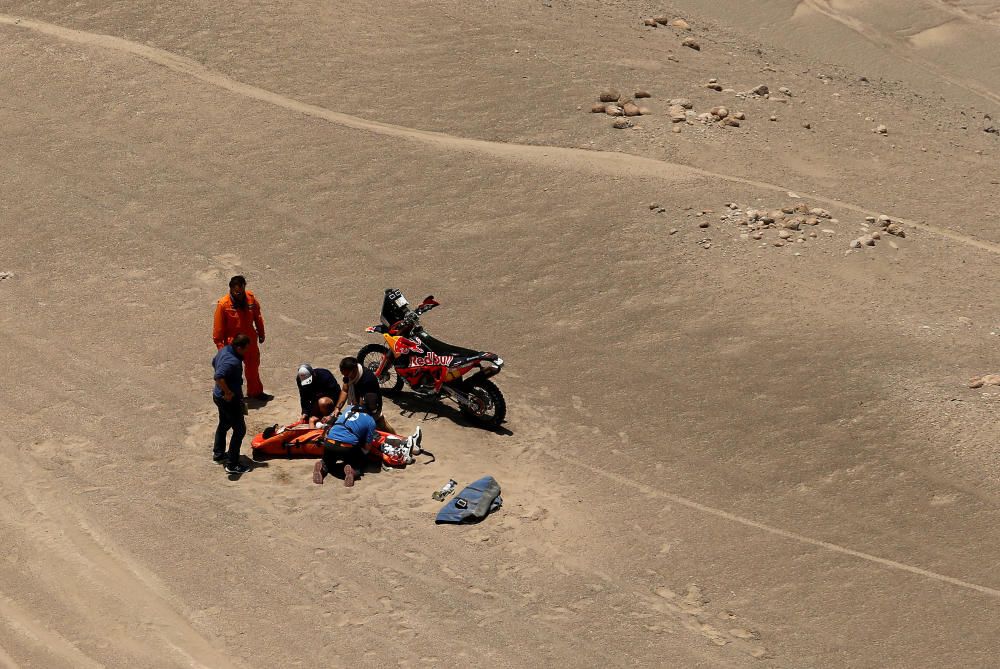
[721, 451]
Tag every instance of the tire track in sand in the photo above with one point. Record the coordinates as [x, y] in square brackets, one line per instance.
[609, 163]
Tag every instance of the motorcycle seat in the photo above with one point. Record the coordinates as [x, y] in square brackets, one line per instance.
[441, 348]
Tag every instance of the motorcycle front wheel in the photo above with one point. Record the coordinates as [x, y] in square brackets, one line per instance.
[487, 405]
[371, 357]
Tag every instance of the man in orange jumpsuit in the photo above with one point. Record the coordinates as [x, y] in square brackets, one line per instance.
[239, 313]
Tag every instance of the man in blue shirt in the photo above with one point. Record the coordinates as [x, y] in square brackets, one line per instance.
[228, 397]
[347, 441]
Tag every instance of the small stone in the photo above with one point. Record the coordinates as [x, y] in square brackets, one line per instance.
[642, 94]
[828, 231]
[705, 117]
[895, 229]
[720, 112]
[757, 235]
[673, 231]
[883, 221]
[807, 125]
[714, 87]
[882, 130]
[812, 233]
[868, 240]
[739, 116]
[811, 220]
[613, 110]
[713, 80]
[621, 124]
[876, 235]
[597, 108]
[681, 24]
[662, 20]
[643, 111]
[733, 206]
[773, 117]
[676, 129]
[759, 90]
[654, 205]
[610, 95]
[778, 243]
[649, 22]
[784, 234]
[855, 243]
[703, 224]
[681, 102]
[785, 90]
[630, 109]
[870, 219]
[821, 213]
[691, 43]
[677, 113]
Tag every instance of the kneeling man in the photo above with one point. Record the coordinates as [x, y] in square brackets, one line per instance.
[346, 441]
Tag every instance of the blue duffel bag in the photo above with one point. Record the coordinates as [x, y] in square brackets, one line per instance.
[472, 504]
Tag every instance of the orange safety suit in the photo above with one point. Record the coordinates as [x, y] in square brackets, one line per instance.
[229, 322]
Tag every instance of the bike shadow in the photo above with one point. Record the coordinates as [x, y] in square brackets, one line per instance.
[430, 409]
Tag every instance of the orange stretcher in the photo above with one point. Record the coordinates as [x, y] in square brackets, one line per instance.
[298, 439]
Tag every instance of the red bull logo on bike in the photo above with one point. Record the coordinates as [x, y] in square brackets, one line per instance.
[432, 360]
[402, 346]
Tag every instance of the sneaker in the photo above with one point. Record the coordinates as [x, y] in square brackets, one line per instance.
[238, 468]
[416, 438]
[218, 458]
[318, 472]
[348, 476]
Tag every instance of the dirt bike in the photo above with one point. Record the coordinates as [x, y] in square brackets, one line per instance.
[429, 366]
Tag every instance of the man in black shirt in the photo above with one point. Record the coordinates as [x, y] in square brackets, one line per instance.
[314, 384]
[361, 388]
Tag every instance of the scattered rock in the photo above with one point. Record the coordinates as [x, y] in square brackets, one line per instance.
[649, 22]
[855, 243]
[739, 116]
[987, 380]
[673, 231]
[881, 129]
[631, 109]
[610, 95]
[681, 24]
[730, 122]
[676, 129]
[691, 43]
[784, 234]
[613, 110]
[703, 224]
[760, 91]
[720, 112]
[681, 102]
[662, 20]
[6, 275]
[597, 108]
[643, 111]
[785, 90]
[895, 229]
[713, 86]
[642, 94]
[773, 118]
[621, 124]
[807, 125]
[677, 113]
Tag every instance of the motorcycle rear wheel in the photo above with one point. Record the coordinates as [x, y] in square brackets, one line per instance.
[371, 357]
[488, 405]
